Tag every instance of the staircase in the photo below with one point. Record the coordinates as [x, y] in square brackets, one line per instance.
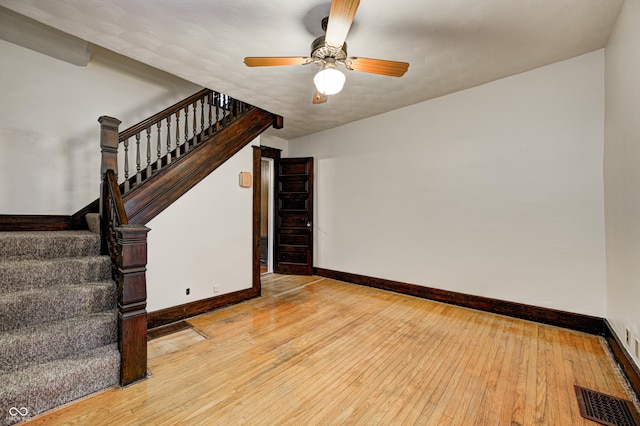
[72, 317]
[58, 321]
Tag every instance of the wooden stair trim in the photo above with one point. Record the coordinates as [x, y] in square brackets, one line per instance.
[33, 222]
[145, 202]
[78, 218]
[27, 222]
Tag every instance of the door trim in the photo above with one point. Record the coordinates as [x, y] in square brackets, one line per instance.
[259, 152]
[269, 163]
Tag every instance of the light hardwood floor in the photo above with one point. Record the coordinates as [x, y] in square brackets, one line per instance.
[315, 351]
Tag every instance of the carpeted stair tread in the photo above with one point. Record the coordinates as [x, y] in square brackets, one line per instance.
[20, 275]
[48, 244]
[35, 306]
[58, 320]
[55, 340]
[58, 382]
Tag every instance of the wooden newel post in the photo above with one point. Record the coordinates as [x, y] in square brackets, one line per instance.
[109, 144]
[109, 140]
[132, 301]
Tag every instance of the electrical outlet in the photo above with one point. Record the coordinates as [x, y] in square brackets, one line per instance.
[188, 291]
[216, 289]
[628, 337]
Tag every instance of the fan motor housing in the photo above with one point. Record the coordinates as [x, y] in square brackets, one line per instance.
[320, 50]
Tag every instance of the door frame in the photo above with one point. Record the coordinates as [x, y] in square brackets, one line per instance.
[270, 162]
[286, 212]
[260, 152]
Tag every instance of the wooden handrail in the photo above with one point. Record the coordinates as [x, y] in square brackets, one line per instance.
[146, 201]
[112, 214]
[159, 140]
[114, 193]
[154, 119]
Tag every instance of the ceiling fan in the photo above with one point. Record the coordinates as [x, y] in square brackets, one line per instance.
[330, 50]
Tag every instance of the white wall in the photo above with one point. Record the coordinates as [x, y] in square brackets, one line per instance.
[204, 239]
[494, 191]
[275, 142]
[50, 163]
[49, 134]
[622, 174]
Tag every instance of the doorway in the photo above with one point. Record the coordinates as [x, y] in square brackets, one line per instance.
[267, 171]
[294, 213]
[282, 215]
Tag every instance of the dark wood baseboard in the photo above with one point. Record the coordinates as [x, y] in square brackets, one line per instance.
[33, 222]
[570, 320]
[176, 313]
[36, 223]
[623, 358]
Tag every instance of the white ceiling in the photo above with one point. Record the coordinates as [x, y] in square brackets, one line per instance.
[451, 45]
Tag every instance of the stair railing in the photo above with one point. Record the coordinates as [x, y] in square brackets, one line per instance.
[161, 139]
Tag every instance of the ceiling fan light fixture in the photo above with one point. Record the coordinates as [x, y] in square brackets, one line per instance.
[329, 80]
[329, 50]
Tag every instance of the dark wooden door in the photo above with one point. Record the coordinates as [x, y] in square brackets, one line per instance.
[294, 213]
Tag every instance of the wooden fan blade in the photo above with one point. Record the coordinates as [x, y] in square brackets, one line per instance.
[341, 17]
[319, 98]
[276, 61]
[377, 66]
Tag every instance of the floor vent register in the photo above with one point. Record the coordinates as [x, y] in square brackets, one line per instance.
[606, 409]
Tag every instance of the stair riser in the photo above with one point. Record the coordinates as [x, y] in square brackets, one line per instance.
[38, 306]
[26, 275]
[22, 348]
[48, 245]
